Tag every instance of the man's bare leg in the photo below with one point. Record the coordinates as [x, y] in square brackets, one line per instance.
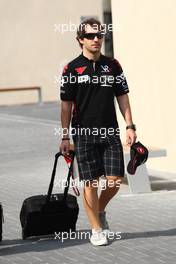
[108, 193]
[91, 203]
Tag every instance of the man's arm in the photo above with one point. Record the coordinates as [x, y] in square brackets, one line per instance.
[66, 107]
[125, 109]
[67, 95]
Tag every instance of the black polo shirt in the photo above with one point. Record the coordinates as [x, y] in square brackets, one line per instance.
[92, 86]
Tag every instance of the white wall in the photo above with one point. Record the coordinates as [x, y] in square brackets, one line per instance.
[31, 52]
[145, 45]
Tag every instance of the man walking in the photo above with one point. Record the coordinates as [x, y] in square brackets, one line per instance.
[88, 88]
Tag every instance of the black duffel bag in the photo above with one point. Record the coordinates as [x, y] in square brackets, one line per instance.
[47, 214]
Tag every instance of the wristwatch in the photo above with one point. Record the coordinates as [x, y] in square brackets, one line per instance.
[132, 126]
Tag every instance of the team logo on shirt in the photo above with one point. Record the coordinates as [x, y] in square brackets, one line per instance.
[105, 68]
[80, 70]
[121, 79]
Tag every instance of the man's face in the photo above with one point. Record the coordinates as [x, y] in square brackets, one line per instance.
[91, 43]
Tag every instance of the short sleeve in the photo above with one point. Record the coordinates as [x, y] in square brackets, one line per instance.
[120, 83]
[68, 84]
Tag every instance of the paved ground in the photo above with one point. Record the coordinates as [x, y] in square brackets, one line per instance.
[146, 222]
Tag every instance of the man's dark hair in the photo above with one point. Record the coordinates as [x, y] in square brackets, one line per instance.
[94, 23]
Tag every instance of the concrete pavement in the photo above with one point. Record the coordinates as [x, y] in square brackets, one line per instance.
[146, 222]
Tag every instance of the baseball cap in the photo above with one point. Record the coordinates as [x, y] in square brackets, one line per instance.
[138, 156]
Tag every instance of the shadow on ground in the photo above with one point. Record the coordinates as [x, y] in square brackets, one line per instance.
[159, 184]
[19, 246]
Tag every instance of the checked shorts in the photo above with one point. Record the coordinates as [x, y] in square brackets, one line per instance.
[98, 156]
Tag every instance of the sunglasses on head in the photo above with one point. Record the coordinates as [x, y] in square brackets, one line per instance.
[99, 35]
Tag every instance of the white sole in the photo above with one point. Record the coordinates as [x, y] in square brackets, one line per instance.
[99, 244]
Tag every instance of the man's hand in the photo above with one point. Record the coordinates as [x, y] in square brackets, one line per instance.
[130, 137]
[65, 147]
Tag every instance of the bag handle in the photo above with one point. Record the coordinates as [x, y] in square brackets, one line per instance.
[71, 155]
[50, 189]
[75, 189]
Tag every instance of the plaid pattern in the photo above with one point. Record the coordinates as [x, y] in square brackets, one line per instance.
[97, 156]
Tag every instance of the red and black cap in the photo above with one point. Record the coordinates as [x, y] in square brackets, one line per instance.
[138, 156]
